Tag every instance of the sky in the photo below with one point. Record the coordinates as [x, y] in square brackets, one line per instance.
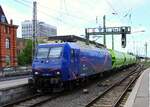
[71, 17]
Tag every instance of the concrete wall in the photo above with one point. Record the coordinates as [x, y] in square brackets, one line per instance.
[14, 93]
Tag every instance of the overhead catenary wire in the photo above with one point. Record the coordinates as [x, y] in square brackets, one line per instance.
[58, 11]
[110, 5]
[63, 14]
[115, 12]
[59, 19]
[46, 14]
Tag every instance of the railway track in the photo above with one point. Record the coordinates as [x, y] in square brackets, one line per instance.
[39, 99]
[32, 101]
[114, 94]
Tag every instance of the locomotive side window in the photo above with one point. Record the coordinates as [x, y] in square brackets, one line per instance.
[55, 52]
[42, 52]
[72, 55]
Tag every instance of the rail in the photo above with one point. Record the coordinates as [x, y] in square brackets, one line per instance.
[33, 101]
[91, 103]
[118, 101]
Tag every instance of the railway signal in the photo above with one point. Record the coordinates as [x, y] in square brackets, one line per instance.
[123, 30]
[123, 38]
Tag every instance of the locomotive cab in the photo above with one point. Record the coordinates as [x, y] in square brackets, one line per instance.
[47, 61]
[46, 66]
[54, 64]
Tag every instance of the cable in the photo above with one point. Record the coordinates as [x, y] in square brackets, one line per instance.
[127, 14]
[64, 13]
[66, 9]
[110, 5]
[55, 18]
[23, 3]
[118, 13]
[114, 12]
[58, 19]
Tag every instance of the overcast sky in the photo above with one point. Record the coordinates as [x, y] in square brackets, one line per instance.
[73, 16]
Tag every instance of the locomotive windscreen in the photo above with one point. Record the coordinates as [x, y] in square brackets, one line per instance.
[55, 52]
[42, 53]
[46, 52]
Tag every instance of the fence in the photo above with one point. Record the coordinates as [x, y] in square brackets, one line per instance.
[14, 71]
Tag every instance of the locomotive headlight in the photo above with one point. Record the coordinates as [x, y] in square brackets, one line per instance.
[36, 73]
[58, 73]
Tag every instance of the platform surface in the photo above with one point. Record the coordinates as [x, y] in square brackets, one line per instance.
[140, 94]
[13, 83]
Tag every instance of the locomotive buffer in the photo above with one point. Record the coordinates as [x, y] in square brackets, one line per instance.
[123, 30]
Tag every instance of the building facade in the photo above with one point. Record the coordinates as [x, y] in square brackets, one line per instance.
[43, 29]
[8, 34]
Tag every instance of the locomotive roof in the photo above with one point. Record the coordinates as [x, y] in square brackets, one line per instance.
[73, 38]
[73, 45]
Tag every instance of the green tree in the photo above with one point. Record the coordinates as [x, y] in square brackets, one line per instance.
[25, 57]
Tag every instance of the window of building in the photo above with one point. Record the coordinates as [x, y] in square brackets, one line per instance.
[7, 43]
[7, 60]
[8, 30]
[3, 27]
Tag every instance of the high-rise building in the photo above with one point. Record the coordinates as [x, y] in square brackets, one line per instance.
[43, 29]
[8, 34]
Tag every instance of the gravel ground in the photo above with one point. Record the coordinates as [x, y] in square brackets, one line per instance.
[78, 98]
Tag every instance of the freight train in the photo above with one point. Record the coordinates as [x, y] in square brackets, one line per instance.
[58, 64]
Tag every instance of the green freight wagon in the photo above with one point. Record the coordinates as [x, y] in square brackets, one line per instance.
[118, 58]
[130, 59]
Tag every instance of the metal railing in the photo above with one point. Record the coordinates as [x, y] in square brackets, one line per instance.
[12, 71]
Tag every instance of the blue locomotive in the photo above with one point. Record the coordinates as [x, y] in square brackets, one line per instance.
[58, 64]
